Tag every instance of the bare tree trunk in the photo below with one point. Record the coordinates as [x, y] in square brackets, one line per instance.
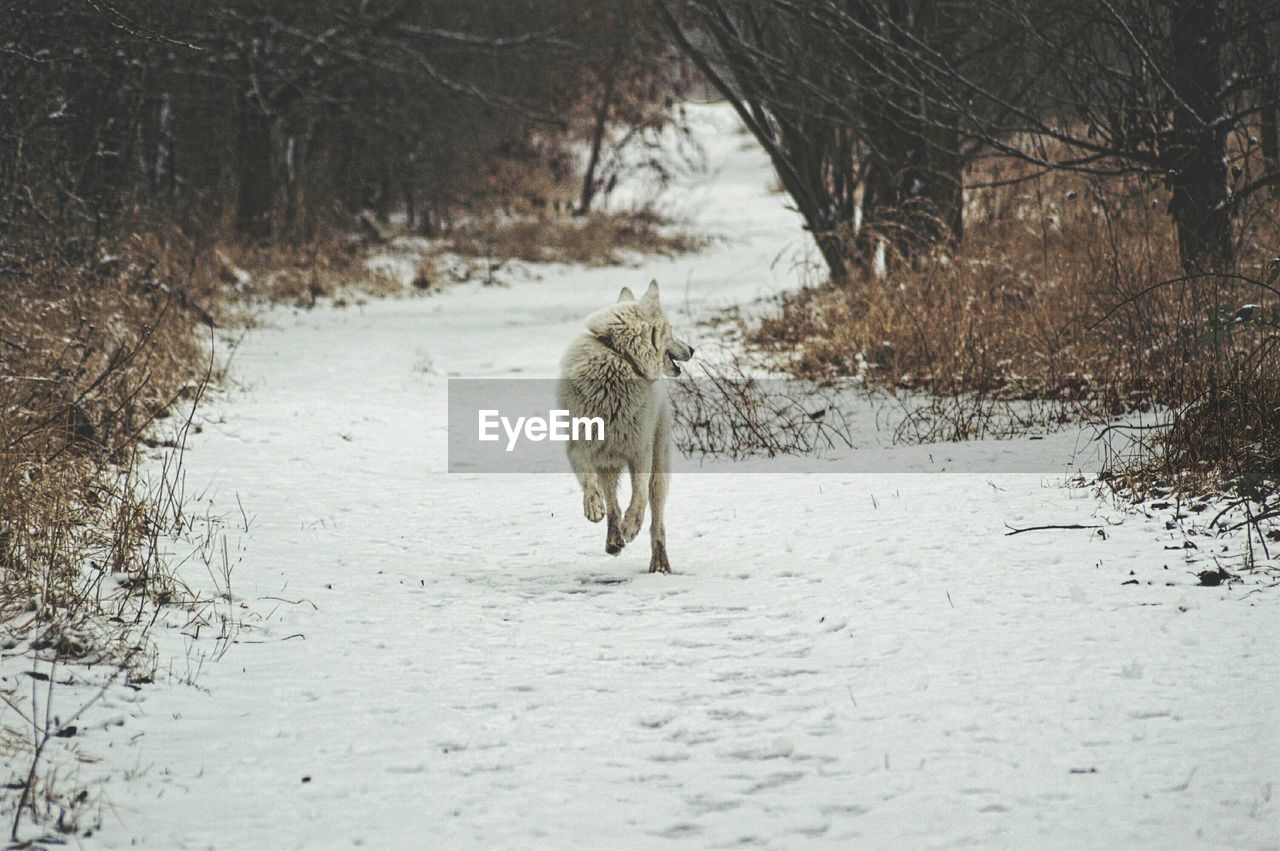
[1201, 202]
[167, 155]
[914, 196]
[256, 191]
[410, 205]
[291, 186]
[597, 135]
[802, 148]
[1267, 66]
[879, 193]
[834, 248]
[943, 180]
[383, 202]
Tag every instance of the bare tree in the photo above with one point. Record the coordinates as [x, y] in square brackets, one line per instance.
[1139, 87]
[744, 51]
[886, 100]
[847, 98]
[270, 119]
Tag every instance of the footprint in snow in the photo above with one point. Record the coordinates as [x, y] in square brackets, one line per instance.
[655, 721]
[777, 749]
[602, 579]
[773, 781]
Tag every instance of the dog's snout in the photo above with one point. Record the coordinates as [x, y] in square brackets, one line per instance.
[691, 351]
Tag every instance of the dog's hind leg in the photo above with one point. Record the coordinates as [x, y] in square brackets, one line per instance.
[640, 478]
[609, 481]
[657, 502]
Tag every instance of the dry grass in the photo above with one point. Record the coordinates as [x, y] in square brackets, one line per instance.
[95, 349]
[1066, 301]
[300, 275]
[102, 363]
[598, 239]
[723, 410]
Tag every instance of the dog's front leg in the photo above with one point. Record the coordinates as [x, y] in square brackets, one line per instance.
[658, 562]
[613, 543]
[640, 475]
[593, 504]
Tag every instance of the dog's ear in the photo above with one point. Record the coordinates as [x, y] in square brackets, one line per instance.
[626, 295]
[650, 298]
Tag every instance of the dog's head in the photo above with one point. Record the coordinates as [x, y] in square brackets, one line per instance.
[640, 331]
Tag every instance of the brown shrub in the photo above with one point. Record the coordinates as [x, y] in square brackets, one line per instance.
[301, 275]
[102, 361]
[96, 349]
[1066, 300]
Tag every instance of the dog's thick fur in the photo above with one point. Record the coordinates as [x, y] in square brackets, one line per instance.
[614, 371]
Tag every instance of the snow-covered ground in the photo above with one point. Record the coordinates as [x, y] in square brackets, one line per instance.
[438, 660]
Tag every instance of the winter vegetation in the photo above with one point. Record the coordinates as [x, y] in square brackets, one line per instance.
[245, 244]
[1029, 201]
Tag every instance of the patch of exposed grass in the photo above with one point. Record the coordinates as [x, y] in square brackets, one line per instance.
[598, 239]
[301, 275]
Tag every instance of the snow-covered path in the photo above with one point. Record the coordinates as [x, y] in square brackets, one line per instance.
[853, 660]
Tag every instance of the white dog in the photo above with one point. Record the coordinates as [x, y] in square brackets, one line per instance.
[614, 371]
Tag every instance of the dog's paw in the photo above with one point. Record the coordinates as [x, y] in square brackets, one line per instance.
[631, 524]
[658, 561]
[593, 505]
[613, 543]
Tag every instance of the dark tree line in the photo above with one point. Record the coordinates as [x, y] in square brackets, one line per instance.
[871, 109]
[271, 118]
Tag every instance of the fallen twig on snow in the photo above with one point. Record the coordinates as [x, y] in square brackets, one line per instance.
[1017, 531]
